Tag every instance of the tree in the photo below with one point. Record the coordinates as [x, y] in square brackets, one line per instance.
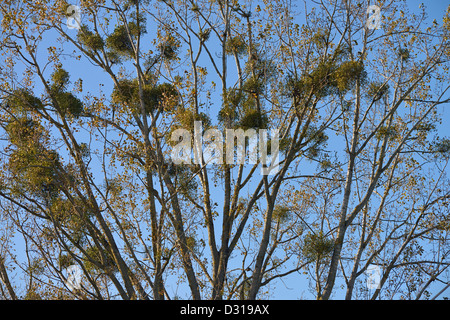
[88, 176]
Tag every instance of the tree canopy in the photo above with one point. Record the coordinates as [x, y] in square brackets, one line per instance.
[89, 117]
